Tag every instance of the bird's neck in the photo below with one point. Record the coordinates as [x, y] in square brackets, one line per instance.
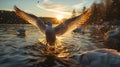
[48, 27]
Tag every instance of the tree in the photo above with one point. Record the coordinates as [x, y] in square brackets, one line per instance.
[73, 13]
[115, 7]
[84, 8]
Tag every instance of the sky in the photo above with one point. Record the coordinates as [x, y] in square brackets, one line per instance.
[47, 8]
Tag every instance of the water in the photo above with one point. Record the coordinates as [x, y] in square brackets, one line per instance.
[13, 51]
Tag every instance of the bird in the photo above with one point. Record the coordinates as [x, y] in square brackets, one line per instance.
[50, 33]
[47, 29]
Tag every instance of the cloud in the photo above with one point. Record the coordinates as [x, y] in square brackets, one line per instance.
[47, 1]
[65, 10]
[79, 5]
[56, 8]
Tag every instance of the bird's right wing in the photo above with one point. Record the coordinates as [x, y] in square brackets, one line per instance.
[72, 23]
[31, 19]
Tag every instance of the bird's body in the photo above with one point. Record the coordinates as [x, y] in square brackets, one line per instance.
[50, 34]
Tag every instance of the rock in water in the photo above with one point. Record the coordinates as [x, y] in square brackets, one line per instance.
[112, 39]
[98, 58]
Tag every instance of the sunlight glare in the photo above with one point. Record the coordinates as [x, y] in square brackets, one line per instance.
[59, 17]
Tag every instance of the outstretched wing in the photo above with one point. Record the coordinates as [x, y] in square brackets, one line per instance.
[31, 19]
[72, 23]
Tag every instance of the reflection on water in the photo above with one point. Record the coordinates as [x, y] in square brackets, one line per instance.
[14, 54]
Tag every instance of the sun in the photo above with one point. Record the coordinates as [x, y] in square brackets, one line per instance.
[59, 17]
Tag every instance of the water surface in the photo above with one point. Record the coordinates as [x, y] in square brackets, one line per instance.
[13, 51]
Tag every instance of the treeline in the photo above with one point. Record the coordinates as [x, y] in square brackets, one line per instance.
[105, 12]
[9, 17]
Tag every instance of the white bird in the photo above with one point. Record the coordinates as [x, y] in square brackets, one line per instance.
[50, 32]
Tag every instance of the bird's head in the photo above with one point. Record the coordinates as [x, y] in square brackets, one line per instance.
[49, 23]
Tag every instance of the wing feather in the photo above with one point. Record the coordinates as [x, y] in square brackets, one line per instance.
[72, 23]
[31, 19]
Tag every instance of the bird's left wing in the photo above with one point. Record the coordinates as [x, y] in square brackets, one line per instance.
[72, 23]
[31, 19]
